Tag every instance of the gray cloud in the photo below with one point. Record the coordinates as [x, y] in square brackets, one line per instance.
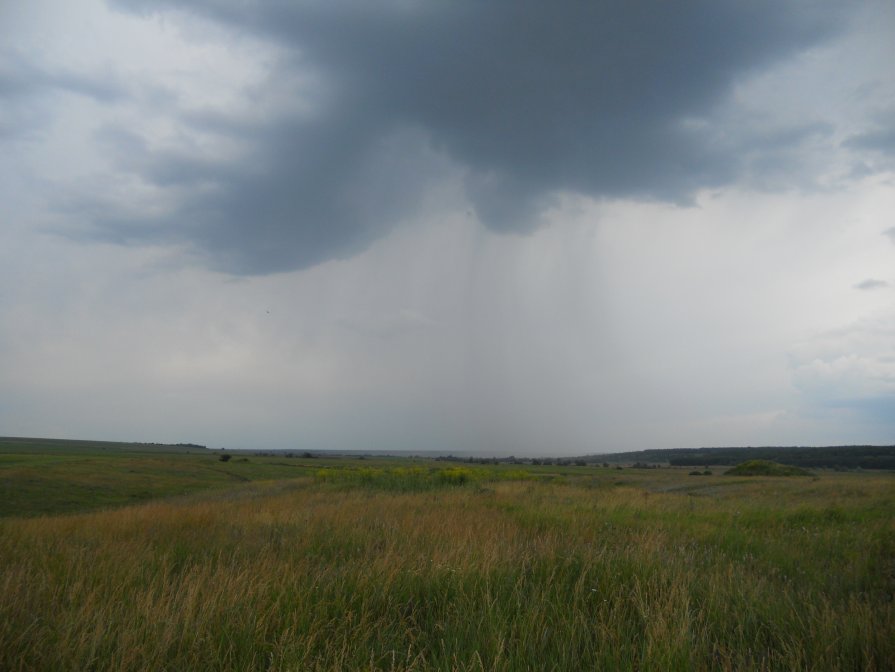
[525, 100]
[25, 86]
[876, 145]
[20, 77]
[890, 232]
[879, 139]
[325, 192]
[850, 369]
[871, 283]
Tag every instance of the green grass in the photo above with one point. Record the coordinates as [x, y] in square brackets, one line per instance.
[766, 468]
[400, 565]
[37, 482]
[417, 478]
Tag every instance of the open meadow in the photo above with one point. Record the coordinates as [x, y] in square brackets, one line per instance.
[114, 559]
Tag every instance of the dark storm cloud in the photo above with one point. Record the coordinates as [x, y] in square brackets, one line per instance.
[318, 191]
[528, 100]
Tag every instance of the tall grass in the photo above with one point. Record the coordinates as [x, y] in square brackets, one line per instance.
[416, 478]
[491, 575]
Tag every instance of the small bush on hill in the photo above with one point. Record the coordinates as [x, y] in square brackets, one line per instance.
[766, 468]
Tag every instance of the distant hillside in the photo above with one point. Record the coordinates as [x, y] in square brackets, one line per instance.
[12, 444]
[829, 457]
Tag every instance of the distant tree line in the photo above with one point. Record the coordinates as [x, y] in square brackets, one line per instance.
[825, 457]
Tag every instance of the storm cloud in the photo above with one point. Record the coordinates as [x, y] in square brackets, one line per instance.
[525, 102]
[497, 227]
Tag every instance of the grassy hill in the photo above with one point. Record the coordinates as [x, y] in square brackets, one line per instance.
[17, 444]
[48, 476]
[765, 468]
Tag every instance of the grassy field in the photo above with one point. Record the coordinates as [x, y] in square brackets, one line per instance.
[274, 564]
[41, 476]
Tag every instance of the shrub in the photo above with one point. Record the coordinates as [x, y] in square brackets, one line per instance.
[765, 468]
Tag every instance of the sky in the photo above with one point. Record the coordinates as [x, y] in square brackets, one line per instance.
[507, 228]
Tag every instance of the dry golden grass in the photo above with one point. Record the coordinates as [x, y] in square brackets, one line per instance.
[507, 576]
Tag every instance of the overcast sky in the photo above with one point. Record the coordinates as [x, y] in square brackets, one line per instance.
[505, 227]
